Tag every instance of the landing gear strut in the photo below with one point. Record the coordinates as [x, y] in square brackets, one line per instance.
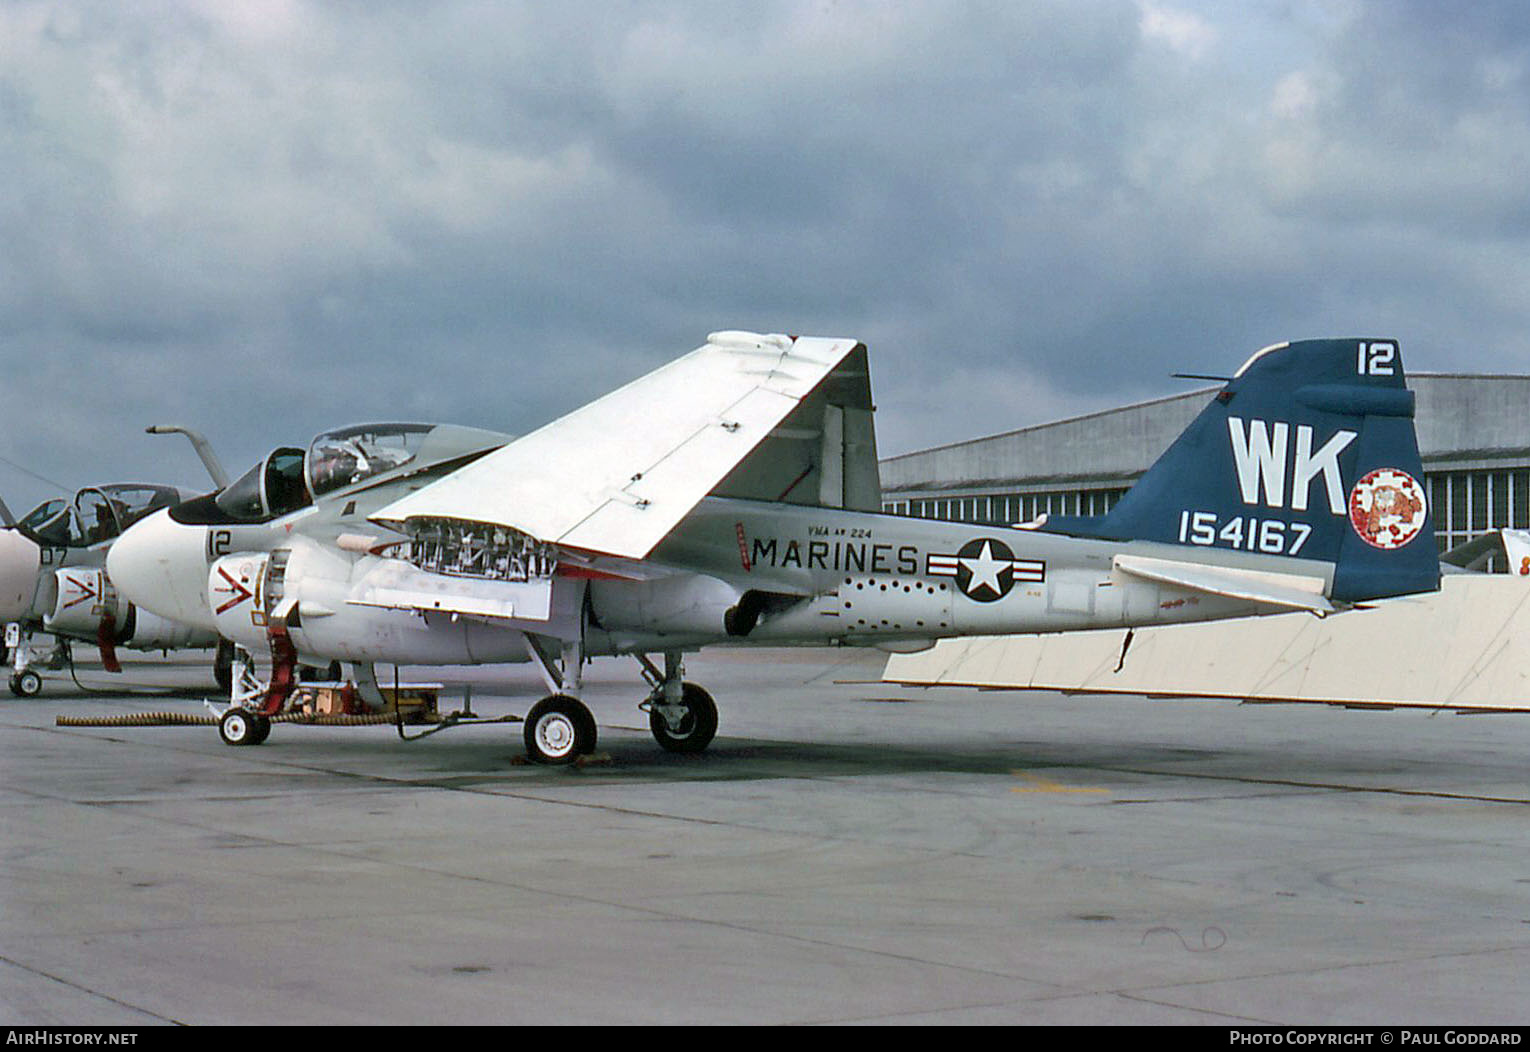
[247, 720]
[560, 728]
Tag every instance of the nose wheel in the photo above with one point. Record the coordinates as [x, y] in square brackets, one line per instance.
[24, 654]
[243, 727]
[26, 684]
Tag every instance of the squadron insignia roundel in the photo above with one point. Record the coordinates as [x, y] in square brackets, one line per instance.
[1387, 508]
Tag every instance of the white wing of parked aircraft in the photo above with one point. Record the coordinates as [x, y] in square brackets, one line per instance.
[616, 476]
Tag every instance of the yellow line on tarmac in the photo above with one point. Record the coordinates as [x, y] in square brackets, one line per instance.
[1046, 785]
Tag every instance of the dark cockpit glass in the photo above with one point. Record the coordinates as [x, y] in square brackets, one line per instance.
[244, 498]
[134, 502]
[49, 523]
[342, 458]
[270, 489]
[285, 489]
[97, 514]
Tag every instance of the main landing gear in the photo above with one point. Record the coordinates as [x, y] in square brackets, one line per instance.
[681, 716]
[560, 728]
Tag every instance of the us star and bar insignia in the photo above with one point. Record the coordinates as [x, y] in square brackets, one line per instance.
[986, 569]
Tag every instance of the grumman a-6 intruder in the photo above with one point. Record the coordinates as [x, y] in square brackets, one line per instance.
[731, 497]
[53, 584]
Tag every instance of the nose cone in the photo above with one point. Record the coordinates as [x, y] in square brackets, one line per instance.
[161, 565]
[20, 559]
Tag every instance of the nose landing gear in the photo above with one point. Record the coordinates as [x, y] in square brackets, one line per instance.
[243, 727]
[26, 684]
[25, 654]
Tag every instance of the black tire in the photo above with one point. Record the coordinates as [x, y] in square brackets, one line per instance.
[262, 729]
[27, 684]
[241, 727]
[697, 728]
[223, 665]
[559, 730]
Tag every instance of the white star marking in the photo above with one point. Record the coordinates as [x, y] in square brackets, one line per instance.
[985, 571]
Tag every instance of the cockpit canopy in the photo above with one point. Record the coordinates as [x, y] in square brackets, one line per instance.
[97, 514]
[337, 459]
[290, 478]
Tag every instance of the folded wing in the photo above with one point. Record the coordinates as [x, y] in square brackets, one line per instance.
[615, 476]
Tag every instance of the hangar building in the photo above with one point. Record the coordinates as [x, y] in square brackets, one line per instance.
[1473, 431]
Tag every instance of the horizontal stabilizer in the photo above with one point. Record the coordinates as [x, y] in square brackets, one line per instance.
[616, 476]
[1513, 546]
[1289, 591]
[396, 585]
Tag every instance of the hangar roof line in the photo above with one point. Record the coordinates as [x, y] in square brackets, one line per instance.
[1466, 421]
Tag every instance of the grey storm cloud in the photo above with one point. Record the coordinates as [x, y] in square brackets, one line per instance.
[267, 219]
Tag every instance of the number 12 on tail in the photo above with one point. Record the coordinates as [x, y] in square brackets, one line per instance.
[1376, 359]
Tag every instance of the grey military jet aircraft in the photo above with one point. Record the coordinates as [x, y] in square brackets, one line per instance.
[731, 497]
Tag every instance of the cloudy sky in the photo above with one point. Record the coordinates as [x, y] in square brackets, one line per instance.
[263, 219]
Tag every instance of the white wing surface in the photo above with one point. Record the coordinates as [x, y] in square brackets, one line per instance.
[615, 476]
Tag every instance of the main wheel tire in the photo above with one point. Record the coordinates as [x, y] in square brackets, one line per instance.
[27, 684]
[697, 727]
[242, 727]
[559, 729]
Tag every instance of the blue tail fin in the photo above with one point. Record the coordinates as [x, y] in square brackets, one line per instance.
[1309, 451]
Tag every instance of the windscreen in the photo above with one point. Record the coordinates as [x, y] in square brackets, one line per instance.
[270, 489]
[49, 523]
